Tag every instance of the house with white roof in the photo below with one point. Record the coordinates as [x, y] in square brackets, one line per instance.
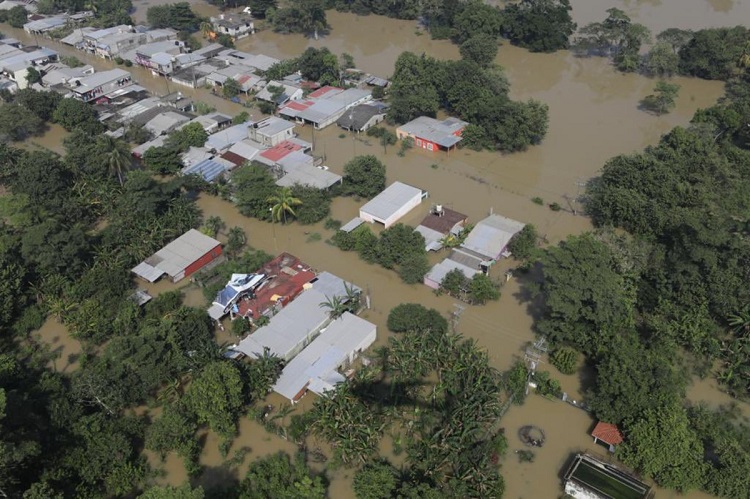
[392, 204]
[317, 367]
[293, 327]
[490, 237]
[91, 87]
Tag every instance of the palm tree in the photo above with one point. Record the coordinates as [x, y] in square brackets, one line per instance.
[283, 203]
[118, 157]
[214, 225]
[236, 239]
[335, 305]
[206, 28]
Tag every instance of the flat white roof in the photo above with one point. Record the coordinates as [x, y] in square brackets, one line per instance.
[290, 328]
[391, 200]
[315, 367]
[440, 270]
[176, 256]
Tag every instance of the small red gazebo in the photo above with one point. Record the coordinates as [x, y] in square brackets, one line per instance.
[607, 433]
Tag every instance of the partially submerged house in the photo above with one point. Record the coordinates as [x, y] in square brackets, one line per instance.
[295, 325]
[361, 118]
[279, 93]
[209, 169]
[437, 273]
[317, 367]
[440, 223]
[97, 85]
[488, 240]
[431, 134]
[235, 25]
[325, 105]
[392, 204]
[181, 258]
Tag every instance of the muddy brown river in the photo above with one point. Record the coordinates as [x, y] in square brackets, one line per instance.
[593, 116]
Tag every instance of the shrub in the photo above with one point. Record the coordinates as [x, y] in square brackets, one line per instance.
[555, 207]
[416, 317]
[537, 200]
[565, 359]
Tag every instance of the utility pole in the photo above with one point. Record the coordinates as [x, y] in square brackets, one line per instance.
[533, 357]
[458, 309]
[579, 183]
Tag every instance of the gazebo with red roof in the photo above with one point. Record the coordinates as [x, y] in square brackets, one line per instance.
[607, 433]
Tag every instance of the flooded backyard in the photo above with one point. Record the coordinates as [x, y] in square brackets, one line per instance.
[594, 115]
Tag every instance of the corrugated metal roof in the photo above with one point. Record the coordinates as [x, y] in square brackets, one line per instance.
[290, 328]
[352, 224]
[224, 139]
[491, 235]
[176, 256]
[147, 272]
[440, 270]
[439, 132]
[209, 169]
[392, 199]
[332, 285]
[315, 367]
[308, 175]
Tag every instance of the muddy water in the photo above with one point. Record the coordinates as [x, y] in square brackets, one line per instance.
[67, 348]
[52, 139]
[659, 15]
[593, 116]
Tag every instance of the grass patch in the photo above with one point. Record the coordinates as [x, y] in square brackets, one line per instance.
[315, 236]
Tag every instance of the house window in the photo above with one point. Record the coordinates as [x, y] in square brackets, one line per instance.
[429, 146]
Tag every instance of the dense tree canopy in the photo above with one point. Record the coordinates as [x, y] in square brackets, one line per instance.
[422, 85]
[363, 176]
[177, 16]
[539, 25]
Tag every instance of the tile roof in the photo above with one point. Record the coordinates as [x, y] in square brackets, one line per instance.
[608, 433]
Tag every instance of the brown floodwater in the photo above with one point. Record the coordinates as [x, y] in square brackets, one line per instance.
[67, 348]
[594, 115]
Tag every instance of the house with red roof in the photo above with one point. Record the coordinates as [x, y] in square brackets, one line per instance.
[608, 434]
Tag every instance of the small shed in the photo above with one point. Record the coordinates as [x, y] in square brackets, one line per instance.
[181, 258]
[392, 204]
[607, 433]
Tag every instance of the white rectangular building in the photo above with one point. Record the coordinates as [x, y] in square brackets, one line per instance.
[392, 204]
[316, 367]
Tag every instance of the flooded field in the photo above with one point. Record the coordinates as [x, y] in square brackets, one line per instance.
[594, 115]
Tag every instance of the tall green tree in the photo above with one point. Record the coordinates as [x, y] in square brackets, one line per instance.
[364, 176]
[215, 396]
[539, 25]
[662, 100]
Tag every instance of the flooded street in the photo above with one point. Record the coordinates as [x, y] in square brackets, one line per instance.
[594, 115]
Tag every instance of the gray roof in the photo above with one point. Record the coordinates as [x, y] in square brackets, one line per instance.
[224, 139]
[150, 49]
[315, 368]
[322, 109]
[98, 79]
[176, 256]
[439, 271]
[289, 329]
[388, 202]
[46, 24]
[332, 285]
[165, 122]
[138, 108]
[432, 238]
[141, 149]
[272, 126]
[301, 171]
[209, 50]
[352, 224]
[491, 235]
[358, 116]
[439, 132]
